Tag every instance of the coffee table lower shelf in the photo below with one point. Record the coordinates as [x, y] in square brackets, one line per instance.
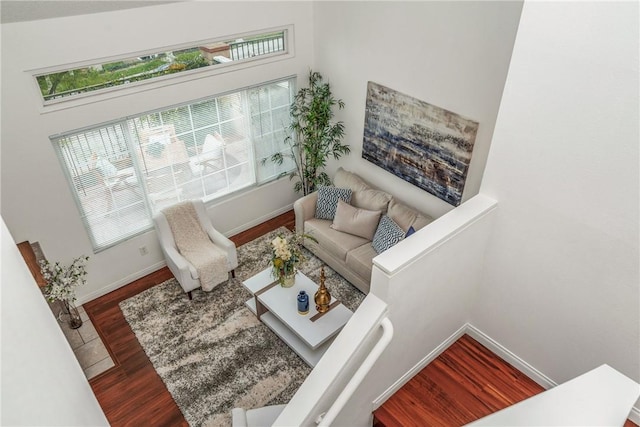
[310, 356]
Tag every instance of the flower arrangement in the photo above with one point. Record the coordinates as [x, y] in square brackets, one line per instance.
[62, 281]
[287, 255]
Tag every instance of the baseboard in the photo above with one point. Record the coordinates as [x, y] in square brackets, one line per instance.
[120, 283]
[523, 366]
[418, 367]
[497, 348]
[510, 357]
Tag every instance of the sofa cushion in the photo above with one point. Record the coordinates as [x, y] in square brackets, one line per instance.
[373, 200]
[346, 179]
[406, 217]
[352, 220]
[421, 221]
[359, 260]
[328, 201]
[401, 214]
[333, 241]
[387, 235]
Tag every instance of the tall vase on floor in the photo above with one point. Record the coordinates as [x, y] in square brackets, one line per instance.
[61, 282]
[75, 321]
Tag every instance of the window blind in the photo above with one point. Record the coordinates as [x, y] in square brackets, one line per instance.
[123, 172]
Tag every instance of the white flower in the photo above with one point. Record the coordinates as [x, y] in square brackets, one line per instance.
[61, 281]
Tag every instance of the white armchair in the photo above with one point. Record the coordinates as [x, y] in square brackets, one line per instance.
[183, 271]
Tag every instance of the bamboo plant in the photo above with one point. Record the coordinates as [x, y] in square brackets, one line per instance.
[313, 135]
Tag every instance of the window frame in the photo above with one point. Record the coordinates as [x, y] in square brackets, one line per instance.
[160, 81]
[125, 124]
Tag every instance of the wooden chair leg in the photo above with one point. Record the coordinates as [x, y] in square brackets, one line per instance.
[189, 295]
[233, 273]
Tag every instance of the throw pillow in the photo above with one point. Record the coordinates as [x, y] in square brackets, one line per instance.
[388, 234]
[410, 231]
[328, 201]
[359, 222]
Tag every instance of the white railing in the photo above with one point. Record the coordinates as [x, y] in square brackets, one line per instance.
[360, 374]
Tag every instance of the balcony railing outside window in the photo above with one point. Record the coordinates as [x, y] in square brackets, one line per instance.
[129, 71]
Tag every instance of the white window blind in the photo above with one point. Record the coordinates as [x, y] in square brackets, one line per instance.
[123, 172]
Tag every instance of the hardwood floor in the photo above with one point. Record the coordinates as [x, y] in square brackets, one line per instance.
[463, 384]
[131, 393]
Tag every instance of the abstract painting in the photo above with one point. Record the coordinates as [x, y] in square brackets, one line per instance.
[425, 145]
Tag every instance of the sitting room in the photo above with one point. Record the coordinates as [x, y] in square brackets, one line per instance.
[515, 236]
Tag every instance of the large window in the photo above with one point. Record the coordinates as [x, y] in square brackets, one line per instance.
[101, 75]
[123, 172]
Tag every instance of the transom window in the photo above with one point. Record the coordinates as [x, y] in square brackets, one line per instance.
[121, 173]
[101, 76]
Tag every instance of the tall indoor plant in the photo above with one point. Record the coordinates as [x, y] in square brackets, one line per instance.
[313, 136]
[61, 283]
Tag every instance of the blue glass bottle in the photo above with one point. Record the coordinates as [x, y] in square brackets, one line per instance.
[303, 303]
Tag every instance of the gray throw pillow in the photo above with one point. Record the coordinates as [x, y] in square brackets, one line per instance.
[388, 234]
[328, 201]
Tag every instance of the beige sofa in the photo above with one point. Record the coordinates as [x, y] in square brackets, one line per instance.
[351, 255]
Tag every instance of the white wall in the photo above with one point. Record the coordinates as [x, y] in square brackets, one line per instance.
[561, 288]
[36, 202]
[42, 382]
[429, 282]
[451, 54]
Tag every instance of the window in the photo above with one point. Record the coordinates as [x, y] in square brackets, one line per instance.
[123, 172]
[100, 76]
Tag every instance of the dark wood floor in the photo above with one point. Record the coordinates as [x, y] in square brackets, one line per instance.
[463, 384]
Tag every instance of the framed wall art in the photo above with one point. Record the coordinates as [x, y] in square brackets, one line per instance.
[421, 143]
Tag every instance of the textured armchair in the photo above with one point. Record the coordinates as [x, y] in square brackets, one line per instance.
[183, 271]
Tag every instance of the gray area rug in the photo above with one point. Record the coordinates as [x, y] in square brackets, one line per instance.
[212, 353]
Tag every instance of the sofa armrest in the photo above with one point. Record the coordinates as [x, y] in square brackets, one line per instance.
[304, 209]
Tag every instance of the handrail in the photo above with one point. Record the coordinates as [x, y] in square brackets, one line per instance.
[363, 370]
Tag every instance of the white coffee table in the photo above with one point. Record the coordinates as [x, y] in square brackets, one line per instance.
[308, 335]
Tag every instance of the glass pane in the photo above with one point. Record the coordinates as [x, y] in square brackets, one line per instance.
[205, 113]
[127, 71]
[124, 172]
[105, 184]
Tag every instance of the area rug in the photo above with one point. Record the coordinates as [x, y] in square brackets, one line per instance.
[212, 353]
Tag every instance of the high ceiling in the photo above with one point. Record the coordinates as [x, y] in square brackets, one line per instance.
[31, 10]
